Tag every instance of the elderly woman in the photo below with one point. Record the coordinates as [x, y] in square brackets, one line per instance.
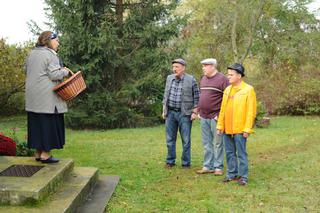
[45, 108]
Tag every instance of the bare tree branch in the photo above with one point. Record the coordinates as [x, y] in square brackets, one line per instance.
[132, 52]
[252, 30]
[6, 95]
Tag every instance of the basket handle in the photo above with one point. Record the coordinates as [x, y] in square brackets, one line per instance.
[69, 70]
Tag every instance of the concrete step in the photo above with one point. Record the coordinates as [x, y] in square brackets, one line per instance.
[75, 190]
[33, 189]
[68, 198]
[98, 199]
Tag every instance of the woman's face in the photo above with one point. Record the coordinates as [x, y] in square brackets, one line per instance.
[55, 44]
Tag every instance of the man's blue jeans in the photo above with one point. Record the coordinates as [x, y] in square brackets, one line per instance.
[212, 144]
[237, 157]
[175, 121]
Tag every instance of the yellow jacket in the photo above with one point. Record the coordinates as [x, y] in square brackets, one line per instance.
[244, 109]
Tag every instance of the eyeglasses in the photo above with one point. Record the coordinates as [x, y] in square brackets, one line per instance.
[54, 36]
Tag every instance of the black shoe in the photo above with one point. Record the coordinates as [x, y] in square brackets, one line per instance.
[50, 160]
[186, 166]
[227, 180]
[170, 165]
[37, 159]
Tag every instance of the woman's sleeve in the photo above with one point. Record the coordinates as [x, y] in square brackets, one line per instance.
[55, 71]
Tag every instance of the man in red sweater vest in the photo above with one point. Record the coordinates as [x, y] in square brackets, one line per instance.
[212, 85]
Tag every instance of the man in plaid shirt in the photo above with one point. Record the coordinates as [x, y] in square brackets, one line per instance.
[180, 108]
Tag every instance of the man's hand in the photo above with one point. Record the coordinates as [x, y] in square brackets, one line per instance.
[219, 132]
[163, 116]
[246, 135]
[193, 116]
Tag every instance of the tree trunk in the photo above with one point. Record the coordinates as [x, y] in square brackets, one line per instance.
[119, 12]
[234, 31]
[119, 70]
[252, 30]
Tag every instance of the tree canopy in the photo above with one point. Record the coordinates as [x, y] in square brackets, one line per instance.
[278, 41]
[12, 77]
[124, 49]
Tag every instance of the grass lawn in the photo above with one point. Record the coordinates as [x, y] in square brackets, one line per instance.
[283, 173]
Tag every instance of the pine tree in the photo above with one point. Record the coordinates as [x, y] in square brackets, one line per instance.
[124, 49]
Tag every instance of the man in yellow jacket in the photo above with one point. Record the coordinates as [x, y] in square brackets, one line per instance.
[236, 120]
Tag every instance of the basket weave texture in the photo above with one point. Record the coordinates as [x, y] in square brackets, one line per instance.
[71, 87]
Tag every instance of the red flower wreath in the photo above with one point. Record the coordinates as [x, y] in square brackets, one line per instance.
[7, 146]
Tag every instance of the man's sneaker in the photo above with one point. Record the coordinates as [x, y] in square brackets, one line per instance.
[204, 170]
[242, 182]
[218, 172]
[227, 180]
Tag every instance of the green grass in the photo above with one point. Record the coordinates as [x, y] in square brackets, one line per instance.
[283, 173]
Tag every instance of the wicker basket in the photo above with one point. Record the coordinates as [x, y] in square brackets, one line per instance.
[71, 87]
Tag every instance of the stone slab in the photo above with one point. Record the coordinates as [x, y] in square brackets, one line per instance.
[19, 190]
[100, 196]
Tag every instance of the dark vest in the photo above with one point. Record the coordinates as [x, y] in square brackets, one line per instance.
[187, 100]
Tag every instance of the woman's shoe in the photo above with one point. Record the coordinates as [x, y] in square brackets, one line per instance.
[50, 160]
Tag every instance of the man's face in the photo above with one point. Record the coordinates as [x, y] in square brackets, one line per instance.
[208, 69]
[233, 76]
[178, 69]
[55, 44]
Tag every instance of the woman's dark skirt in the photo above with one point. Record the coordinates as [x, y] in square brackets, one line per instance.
[45, 131]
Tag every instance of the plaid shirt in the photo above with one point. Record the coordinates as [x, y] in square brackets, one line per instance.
[174, 99]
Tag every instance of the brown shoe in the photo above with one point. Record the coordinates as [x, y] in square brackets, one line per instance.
[242, 182]
[204, 171]
[218, 172]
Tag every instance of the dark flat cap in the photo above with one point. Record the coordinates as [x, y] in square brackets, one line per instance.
[237, 67]
[179, 61]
